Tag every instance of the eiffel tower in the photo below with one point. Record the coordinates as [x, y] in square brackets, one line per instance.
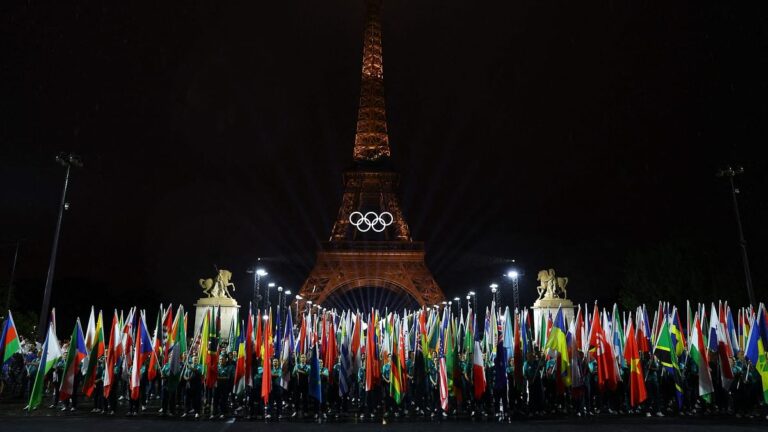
[370, 246]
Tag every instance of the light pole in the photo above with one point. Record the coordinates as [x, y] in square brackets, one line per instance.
[267, 303]
[474, 300]
[731, 173]
[67, 160]
[458, 305]
[13, 276]
[514, 275]
[494, 289]
[258, 273]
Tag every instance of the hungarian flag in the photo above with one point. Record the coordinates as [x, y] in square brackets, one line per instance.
[637, 392]
[113, 353]
[141, 351]
[9, 340]
[51, 353]
[75, 355]
[97, 350]
[698, 353]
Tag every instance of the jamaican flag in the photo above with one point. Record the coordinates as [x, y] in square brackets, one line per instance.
[665, 352]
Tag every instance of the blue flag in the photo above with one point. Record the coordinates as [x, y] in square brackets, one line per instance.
[315, 386]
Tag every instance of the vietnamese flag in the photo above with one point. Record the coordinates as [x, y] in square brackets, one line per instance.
[637, 393]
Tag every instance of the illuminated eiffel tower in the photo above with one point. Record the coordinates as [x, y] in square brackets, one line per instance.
[370, 248]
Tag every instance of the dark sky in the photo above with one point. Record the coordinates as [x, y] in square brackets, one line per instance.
[558, 134]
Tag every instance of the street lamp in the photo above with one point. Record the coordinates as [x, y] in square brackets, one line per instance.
[474, 299]
[514, 275]
[258, 273]
[494, 289]
[267, 303]
[67, 160]
[731, 173]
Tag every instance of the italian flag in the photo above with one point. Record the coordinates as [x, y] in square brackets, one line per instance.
[50, 355]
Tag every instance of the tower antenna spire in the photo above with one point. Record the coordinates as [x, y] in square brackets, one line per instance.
[371, 139]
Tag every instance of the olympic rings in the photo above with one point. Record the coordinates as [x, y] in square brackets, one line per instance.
[371, 221]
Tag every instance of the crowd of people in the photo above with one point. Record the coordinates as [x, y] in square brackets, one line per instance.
[423, 364]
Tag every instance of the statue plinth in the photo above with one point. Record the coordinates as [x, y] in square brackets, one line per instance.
[229, 310]
[546, 306]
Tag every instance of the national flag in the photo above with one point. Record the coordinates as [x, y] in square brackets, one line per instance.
[698, 354]
[9, 340]
[75, 355]
[240, 383]
[51, 352]
[142, 350]
[603, 353]
[315, 385]
[97, 350]
[665, 352]
[266, 377]
[557, 342]
[637, 391]
[478, 371]
[755, 351]
[112, 354]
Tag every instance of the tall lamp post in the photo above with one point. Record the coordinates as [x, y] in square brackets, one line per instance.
[258, 273]
[67, 160]
[267, 303]
[494, 290]
[514, 275]
[730, 173]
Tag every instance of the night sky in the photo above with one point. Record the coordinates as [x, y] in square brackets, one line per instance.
[558, 134]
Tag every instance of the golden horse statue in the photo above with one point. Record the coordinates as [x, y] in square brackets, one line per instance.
[218, 287]
[551, 285]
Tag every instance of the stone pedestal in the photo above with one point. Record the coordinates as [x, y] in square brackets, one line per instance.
[545, 306]
[229, 310]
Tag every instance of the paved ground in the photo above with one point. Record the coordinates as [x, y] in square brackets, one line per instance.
[148, 423]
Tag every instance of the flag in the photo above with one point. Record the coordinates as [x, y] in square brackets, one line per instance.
[51, 353]
[556, 341]
[240, 383]
[96, 351]
[266, 377]
[9, 341]
[398, 372]
[603, 352]
[286, 354]
[315, 385]
[756, 353]
[478, 371]
[665, 352]
[698, 354]
[141, 351]
[75, 355]
[112, 353]
[637, 391]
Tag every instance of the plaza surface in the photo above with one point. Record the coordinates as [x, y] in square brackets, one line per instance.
[64, 422]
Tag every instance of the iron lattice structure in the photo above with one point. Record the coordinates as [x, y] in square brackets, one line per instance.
[352, 259]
